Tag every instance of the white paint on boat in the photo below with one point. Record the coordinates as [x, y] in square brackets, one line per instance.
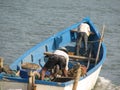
[9, 85]
[84, 84]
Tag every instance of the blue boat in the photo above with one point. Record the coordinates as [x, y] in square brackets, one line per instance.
[37, 55]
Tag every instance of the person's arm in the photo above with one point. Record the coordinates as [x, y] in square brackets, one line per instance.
[43, 73]
[66, 68]
[90, 32]
[65, 72]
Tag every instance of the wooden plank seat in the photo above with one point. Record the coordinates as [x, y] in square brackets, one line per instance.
[75, 57]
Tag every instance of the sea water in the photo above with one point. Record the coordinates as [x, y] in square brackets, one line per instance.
[24, 23]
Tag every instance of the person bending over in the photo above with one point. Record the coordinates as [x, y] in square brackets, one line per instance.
[60, 58]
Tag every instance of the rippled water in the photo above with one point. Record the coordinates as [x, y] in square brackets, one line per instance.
[24, 23]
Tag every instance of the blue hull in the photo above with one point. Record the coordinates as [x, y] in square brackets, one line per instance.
[63, 38]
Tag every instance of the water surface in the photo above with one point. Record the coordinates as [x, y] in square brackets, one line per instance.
[24, 23]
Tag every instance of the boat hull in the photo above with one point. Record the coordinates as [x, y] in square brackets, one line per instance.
[36, 55]
[87, 83]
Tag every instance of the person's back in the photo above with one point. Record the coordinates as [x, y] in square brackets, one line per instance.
[84, 27]
[64, 54]
[59, 58]
[83, 34]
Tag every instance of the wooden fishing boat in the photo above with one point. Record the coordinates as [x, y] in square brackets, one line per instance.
[37, 55]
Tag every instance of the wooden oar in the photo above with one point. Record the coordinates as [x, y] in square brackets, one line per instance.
[99, 46]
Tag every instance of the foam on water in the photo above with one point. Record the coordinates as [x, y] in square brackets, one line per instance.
[105, 84]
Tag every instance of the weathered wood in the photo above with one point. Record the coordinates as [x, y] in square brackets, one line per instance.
[1, 62]
[75, 84]
[31, 66]
[75, 30]
[80, 57]
[99, 46]
[72, 56]
[31, 83]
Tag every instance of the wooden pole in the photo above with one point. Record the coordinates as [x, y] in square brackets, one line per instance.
[30, 81]
[76, 80]
[1, 62]
[99, 46]
[72, 56]
[33, 82]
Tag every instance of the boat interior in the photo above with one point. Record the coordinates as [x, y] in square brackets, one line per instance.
[66, 38]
